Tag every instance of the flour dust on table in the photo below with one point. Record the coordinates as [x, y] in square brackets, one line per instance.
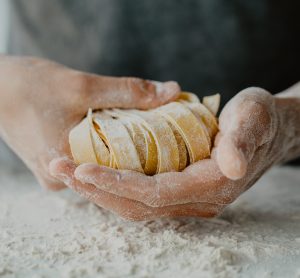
[47, 234]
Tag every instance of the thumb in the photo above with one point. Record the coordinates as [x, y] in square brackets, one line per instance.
[127, 92]
[246, 123]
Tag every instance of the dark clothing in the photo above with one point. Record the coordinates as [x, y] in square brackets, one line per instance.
[207, 46]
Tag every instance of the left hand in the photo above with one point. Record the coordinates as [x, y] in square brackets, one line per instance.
[41, 101]
[251, 139]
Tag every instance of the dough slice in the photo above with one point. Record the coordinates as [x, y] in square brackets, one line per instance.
[203, 114]
[212, 103]
[138, 138]
[183, 153]
[120, 144]
[189, 97]
[151, 154]
[135, 132]
[168, 155]
[189, 128]
[100, 149]
[81, 144]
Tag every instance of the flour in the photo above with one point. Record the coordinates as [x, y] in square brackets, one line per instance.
[47, 234]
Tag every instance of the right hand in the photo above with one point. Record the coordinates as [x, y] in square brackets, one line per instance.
[41, 101]
[244, 149]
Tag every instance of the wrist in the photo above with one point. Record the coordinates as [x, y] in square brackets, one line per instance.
[288, 134]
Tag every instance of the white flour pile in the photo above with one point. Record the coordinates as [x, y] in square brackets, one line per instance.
[46, 234]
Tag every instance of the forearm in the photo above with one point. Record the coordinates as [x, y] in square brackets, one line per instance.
[288, 103]
[293, 91]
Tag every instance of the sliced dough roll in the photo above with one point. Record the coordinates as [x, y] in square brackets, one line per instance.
[165, 139]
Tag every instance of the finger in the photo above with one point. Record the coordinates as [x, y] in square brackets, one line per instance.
[246, 123]
[129, 209]
[50, 183]
[125, 92]
[200, 182]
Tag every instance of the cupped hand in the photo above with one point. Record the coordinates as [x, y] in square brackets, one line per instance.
[41, 101]
[251, 139]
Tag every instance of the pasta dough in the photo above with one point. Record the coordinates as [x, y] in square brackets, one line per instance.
[164, 139]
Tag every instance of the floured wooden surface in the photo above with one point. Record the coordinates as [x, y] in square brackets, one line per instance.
[61, 235]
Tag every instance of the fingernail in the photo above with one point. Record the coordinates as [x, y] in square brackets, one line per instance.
[167, 90]
[90, 172]
[231, 160]
[86, 169]
[240, 165]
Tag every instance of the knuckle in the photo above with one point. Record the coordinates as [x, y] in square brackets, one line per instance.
[90, 195]
[79, 83]
[255, 95]
[133, 84]
[266, 115]
[155, 202]
[255, 108]
[261, 108]
[143, 92]
[79, 87]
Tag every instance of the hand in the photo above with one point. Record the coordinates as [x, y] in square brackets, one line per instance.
[42, 100]
[251, 139]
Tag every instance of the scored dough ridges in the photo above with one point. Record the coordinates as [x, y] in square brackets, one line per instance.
[164, 139]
